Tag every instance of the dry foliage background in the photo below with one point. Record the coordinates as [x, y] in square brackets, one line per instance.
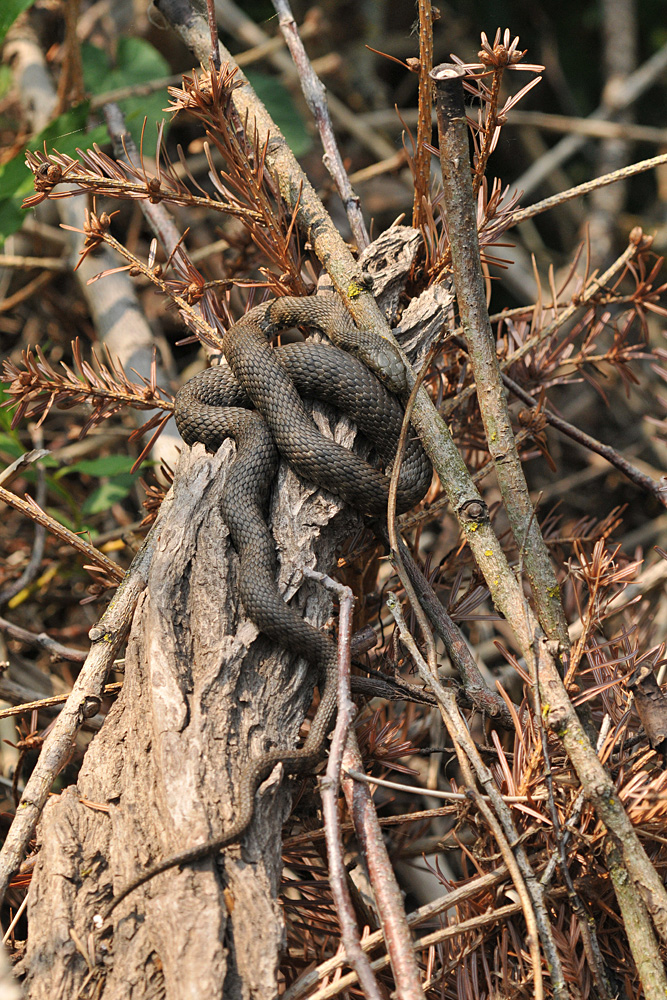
[577, 306]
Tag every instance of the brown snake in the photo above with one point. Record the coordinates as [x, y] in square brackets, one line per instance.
[215, 405]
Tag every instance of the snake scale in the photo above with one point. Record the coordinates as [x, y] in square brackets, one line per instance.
[216, 404]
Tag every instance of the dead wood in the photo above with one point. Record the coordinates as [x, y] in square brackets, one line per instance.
[202, 690]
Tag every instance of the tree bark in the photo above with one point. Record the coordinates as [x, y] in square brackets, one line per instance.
[202, 692]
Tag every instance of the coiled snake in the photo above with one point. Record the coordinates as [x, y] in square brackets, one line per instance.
[215, 405]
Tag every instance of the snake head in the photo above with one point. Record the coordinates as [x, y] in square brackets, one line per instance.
[384, 359]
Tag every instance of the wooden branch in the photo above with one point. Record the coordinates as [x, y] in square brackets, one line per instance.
[202, 691]
[83, 702]
[471, 295]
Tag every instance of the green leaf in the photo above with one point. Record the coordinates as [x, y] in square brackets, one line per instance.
[9, 11]
[64, 133]
[7, 408]
[108, 465]
[108, 493]
[283, 110]
[6, 80]
[10, 446]
[116, 487]
[136, 62]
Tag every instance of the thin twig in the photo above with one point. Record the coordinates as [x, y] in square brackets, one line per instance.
[27, 291]
[592, 128]
[480, 885]
[466, 749]
[43, 263]
[575, 814]
[422, 157]
[37, 706]
[400, 946]
[246, 58]
[435, 793]
[29, 508]
[523, 214]
[213, 28]
[520, 886]
[394, 539]
[634, 474]
[299, 839]
[15, 919]
[316, 99]
[43, 641]
[329, 790]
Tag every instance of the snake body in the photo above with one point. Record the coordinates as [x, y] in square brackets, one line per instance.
[215, 405]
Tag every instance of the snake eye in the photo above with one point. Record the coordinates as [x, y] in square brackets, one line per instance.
[391, 369]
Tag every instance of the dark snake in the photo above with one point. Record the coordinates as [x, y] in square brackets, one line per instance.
[214, 405]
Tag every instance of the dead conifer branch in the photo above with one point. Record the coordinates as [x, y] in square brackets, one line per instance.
[35, 386]
[210, 99]
[109, 570]
[96, 173]
[107, 638]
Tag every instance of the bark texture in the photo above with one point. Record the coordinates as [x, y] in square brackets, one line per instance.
[202, 691]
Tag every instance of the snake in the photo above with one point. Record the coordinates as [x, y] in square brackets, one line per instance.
[258, 401]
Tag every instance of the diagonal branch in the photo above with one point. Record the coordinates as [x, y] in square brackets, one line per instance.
[471, 296]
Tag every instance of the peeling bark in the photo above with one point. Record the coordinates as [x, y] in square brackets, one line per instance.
[202, 691]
